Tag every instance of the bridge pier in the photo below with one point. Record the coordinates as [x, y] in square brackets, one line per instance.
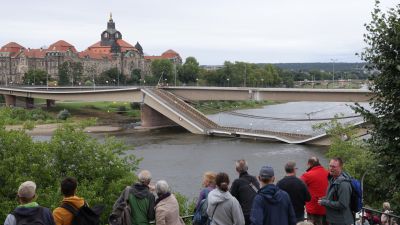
[11, 100]
[152, 118]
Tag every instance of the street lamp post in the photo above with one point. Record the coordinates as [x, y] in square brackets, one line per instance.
[227, 79]
[262, 82]
[333, 72]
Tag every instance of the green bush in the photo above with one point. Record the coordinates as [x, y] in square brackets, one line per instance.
[102, 169]
[63, 114]
[121, 109]
[13, 115]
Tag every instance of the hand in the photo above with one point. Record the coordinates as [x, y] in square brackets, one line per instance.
[320, 200]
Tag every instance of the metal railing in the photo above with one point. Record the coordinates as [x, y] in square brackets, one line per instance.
[368, 214]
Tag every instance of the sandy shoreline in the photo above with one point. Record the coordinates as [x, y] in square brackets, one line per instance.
[48, 129]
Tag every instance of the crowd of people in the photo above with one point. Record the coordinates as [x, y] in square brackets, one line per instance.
[323, 194]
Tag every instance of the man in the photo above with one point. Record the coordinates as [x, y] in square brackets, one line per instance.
[337, 200]
[141, 200]
[244, 189]
[29, 211]
[316, 181]
[68, 188]
[271, 206]
[296, 189]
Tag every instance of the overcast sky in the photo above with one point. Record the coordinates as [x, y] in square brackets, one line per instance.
[258, 31]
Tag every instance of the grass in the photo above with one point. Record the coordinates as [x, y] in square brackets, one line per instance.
[212, 107]
[82, 108]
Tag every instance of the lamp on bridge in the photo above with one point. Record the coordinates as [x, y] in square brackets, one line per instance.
[227, 79]
[333, 72]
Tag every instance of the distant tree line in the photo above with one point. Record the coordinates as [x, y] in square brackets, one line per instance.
[238, 74]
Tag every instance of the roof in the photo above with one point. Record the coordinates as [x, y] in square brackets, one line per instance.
[62, 46]
[170, 54]
[98, 48]
[12, 47]
[93, 55]
[152, 57]
[34, 53]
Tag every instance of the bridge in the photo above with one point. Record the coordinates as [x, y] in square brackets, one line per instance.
[166, 107]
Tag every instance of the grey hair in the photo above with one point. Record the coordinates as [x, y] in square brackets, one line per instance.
[162, 187]
[386, 205]
[144, 177]
[241, 166]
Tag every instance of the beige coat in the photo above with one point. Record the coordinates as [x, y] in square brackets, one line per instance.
[167, 212]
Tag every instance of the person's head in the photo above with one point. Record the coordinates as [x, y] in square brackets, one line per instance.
[386, 206]
[222, 181]
[68, 186]
[27, 192]
[290, 168]
[144, 177]
[162, 187]
[266, 175]
[209, 179]
[335, 166]
[313, 161]
[241, 166]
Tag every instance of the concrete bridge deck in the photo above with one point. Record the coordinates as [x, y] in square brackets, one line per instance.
[165, 106]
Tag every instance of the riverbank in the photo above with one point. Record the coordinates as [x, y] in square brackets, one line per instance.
[48, 129]
[110, 116]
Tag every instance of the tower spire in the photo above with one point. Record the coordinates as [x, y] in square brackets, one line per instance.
[110, 16]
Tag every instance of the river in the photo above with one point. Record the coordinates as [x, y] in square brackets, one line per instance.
[181, 158]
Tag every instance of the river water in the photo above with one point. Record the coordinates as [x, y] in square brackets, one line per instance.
[181, 158]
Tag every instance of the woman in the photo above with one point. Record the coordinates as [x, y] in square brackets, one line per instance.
[208, 184]
[223, 208]
[167, 208]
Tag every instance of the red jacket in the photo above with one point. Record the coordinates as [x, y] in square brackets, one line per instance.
[316, 180]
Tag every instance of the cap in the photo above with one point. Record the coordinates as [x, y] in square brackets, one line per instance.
[266, 172]
[27, 189]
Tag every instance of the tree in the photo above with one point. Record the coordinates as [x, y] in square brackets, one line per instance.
[382, 55]
[35, 76]
[189, 71]
[162, 69]
[102, 169]
[70, 73]
[110, 77]
[136, 76]
[63, 73]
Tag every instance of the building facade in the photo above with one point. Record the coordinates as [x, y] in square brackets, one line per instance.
[110, 52]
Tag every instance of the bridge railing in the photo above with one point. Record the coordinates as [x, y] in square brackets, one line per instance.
[184, 108]
[188, 107]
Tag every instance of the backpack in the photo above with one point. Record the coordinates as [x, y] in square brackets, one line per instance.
[200, 216]
[36, 219]
[84, 215]
[121, 214]
[356, 195]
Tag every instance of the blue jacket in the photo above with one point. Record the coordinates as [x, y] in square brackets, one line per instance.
[272, 206]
